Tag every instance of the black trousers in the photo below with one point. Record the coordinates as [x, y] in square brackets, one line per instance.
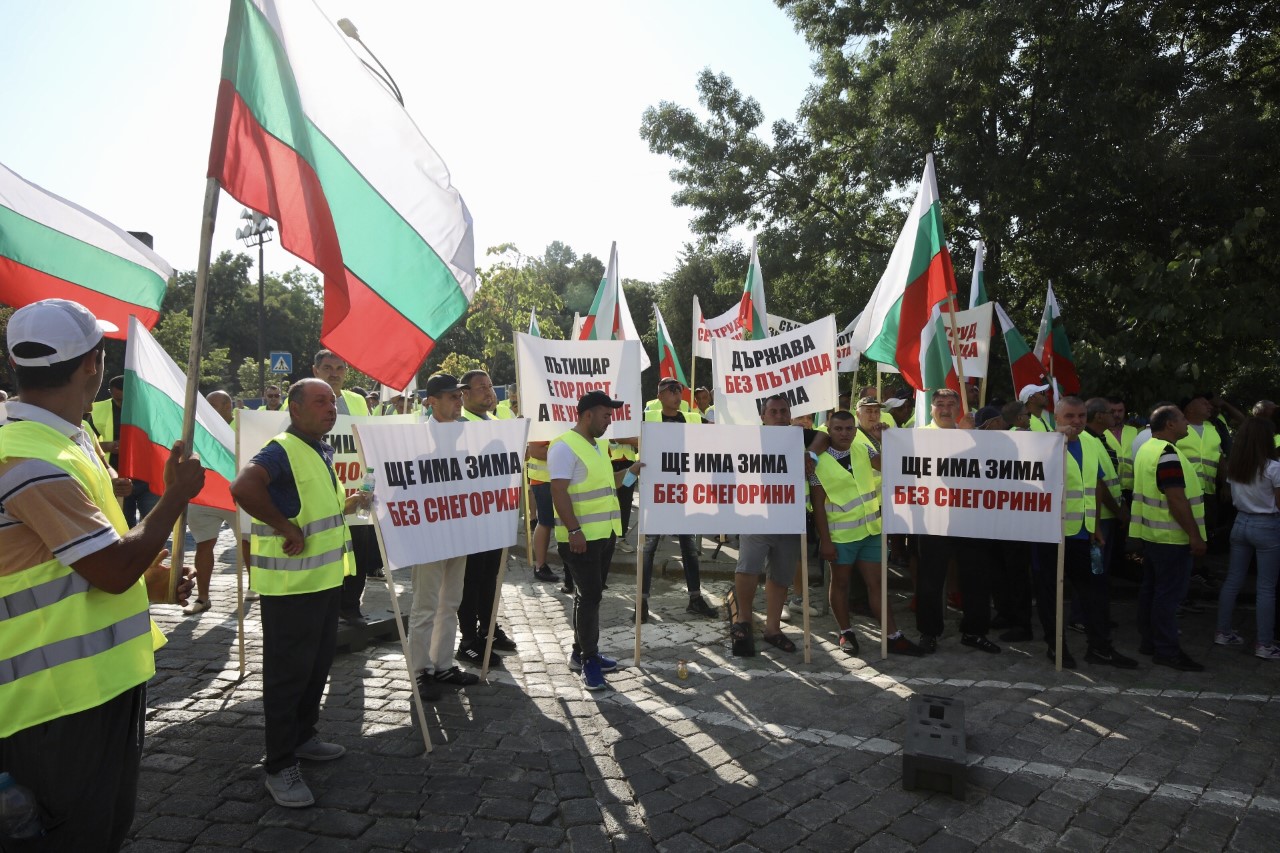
[626, 494]
[299, 635]
[1078, 572]
[1010, 564]
[588, 571]
[364, 547]
[478, 588]
[83, 770]
[936, 553]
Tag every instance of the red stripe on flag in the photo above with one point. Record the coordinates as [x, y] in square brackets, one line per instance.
[143, 459]
[21, 285]
[916, 309]
[265, 174]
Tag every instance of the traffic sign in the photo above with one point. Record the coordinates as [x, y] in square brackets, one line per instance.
[281, 362]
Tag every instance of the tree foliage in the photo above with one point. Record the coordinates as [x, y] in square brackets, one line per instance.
[1119, 149]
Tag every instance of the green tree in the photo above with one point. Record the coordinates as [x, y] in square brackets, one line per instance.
[247, 376]
[457, 363]
[173, 333]
[509, 290]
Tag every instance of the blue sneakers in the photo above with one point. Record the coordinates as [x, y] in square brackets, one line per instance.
[592, 677]
[606, 664]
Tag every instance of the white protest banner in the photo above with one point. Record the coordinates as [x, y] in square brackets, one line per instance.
[553, 375]
[799, 364]
[444, 490]
[847, 357]
[258, 426]
[721, 479]
[979, 484]
[971, 341]
[779, 325]
[704, 330]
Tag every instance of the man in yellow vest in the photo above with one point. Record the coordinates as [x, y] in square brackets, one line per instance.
[588, 524]
[75, 581]
[846, 511]
[480, 582]
[1033, 396]
[300, 550]
[1168, 516]
[273, 398]
[332, 368]
[669, 396]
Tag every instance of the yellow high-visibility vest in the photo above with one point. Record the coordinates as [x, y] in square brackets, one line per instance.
[853, 502]
[595, 499]
[1150, 518]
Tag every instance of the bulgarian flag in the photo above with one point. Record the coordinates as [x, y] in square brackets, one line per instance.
[904, 323]
[609, 318]
[1053, 350]
[669, 366]
[978, 287]
[753, 316]
[307, 135]
[533, 323]
[1023, 364]
[51, 247]
[151, 421]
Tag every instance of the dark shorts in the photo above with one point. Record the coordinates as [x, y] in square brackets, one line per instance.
[542, 502]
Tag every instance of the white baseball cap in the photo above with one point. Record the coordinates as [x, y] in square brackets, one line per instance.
[895, 402]
[64, 326]
[1029, 391]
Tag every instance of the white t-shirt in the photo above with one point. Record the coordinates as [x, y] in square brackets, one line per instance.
[1260, 495]
[564, 464]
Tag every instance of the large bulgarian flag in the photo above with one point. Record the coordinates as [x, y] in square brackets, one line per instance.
[753, 314]
[669, 366]
[1053, 350]
[51, 247]
[307, 135]
[610, 317]
[151, 421]
[904, 323]
[1023, 364]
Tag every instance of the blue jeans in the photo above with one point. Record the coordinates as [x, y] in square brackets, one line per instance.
[688, 554]
[1252, 534]
[1166, 573]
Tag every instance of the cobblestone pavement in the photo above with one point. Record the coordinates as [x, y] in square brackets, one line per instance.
[760, 754]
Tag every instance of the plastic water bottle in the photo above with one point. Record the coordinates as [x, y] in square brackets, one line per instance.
[1095, 559]
[366, 487]
[19, 814]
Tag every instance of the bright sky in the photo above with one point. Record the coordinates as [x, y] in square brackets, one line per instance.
[535, 107]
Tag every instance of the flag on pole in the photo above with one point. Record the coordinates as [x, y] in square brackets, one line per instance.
[1023, 364]
[151, 421]
[669, 366]
[533, 323]
[53, 247]
[978, 287]
[753, 315]
[610, 318]
[904, 323]
[307, 135]
[1053, 350]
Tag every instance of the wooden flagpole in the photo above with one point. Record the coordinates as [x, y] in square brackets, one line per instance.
[639, 586]
[493, 615]
[959, 363]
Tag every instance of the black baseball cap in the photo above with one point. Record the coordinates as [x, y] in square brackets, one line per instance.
[441, 382]
[591, 399]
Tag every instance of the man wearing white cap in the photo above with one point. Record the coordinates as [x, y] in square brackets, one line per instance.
[1036, 401]
[74, 586]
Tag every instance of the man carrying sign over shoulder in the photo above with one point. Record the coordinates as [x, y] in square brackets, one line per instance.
[300, 551]
[588, 524]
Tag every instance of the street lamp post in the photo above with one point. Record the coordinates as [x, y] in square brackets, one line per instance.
[257, 232]
[350, 31]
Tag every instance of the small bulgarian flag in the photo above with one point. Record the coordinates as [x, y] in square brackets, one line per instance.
[753, 315]
[669, 366]
[151, 421]
[305, 134]
[1023, 364]
[53, 247]
[610, 318]
[533, 323]
[904, 323]
[1053, 350]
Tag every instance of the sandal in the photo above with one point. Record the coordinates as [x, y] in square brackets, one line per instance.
[779, 641]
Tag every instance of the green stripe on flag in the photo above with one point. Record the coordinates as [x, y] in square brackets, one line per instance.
[930, 240]
[42, 248]
[378, 245]
[156, 414]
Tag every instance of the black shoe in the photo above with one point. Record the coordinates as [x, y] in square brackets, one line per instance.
[428, 688]
[471, 652]
[1078, 627]
[566, 587]
[1110, 657]
[900, 645]
[1180, 661]
[377, 573]
[457, 677]
[544, 574]
[502, 644]
[744, 646]
[982, 644]
[644, 612]
[698, 605]
[1068, 662]
[1017, 635]
[849, 643]
[353, 617]
[928, 643]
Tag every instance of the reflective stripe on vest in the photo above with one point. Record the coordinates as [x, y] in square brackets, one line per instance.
[1080, 498]
[1150, 518]
[595, 499]
[853, 504]
[326, 554]
[67, 646]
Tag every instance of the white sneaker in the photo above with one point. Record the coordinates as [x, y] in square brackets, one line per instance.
[1230, 638]
[195, 607]
[1271, 652]
[786, 614]
[317, 750]
[626, 547]
[288, 789]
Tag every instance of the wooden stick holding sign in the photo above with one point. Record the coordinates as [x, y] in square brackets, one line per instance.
[1062, 553]
[956, 360]
[639, 587]
[884, 588]
[804, 595]
[493, 614]
[395, 610]
[240, 572]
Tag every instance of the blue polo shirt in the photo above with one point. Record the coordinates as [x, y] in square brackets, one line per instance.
[281, 487]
